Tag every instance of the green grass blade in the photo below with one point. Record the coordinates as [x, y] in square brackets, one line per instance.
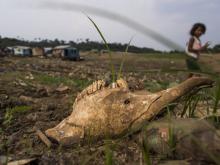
[185, 107]
[171, 139]
[100, 33]
[108, 154]
[123, 58]
[194, 105]
[216, 96]
[146, 153]
[107, 47]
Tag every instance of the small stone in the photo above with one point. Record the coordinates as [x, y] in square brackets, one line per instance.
[26, 99]
[32, 117]
[22, 83]
[42, 92]
[62, 89]
[4, 159]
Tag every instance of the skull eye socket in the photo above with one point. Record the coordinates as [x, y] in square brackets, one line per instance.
[127, 101]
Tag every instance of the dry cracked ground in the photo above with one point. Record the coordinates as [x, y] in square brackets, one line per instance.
[37, 93]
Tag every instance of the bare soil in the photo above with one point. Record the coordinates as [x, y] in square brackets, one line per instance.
[33, 83]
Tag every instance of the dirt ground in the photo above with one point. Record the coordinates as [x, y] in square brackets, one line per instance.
[38, 93]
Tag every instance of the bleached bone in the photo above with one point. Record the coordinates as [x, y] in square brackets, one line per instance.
[101, 111]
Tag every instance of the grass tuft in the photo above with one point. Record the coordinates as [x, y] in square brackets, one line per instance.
[11, 112]
[146, 153]
[216, 96]
[57, 80]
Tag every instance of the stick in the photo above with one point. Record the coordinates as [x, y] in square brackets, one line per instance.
[44, 138]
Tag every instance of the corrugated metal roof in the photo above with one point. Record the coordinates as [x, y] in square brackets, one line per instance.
[22, 47]
[62, 47]
[10, 47]
[48, 48]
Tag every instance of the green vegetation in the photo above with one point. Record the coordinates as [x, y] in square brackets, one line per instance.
[171, 138]
[57, 80]
[1, 131]
[216, 48]
[123, 60]
[108, 153]
[216, 96]
[46, 79]
[155, 86]
[12, 112]
[208, 97]
[85, 45]
[12, 75]
[107, 47]
[146, 152]
[190, 105]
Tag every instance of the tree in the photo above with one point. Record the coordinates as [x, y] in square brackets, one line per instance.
[87, 40]
[216, 48]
